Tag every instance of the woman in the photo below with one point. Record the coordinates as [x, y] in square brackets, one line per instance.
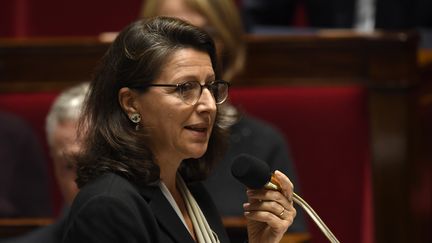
[152, 131]
[247, 134]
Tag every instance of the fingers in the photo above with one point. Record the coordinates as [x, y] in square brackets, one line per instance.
[271, 219]
[268, 200]
[275, 208]
[267, 206]
[278, 222]
[285, 184]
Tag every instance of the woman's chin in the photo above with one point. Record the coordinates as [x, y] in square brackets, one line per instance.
[198, 152]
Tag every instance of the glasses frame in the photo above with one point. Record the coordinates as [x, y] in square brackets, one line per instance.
[179, 85]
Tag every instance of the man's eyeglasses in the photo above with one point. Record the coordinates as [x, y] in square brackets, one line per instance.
[191, 91]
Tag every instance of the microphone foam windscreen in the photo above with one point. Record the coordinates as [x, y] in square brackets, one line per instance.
[251, 171]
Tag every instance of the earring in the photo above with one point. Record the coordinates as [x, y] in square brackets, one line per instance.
[135, 118]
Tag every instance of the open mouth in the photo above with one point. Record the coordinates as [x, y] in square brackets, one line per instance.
[197, 128]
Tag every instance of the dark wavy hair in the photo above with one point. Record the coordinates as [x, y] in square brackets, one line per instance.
[137, 56]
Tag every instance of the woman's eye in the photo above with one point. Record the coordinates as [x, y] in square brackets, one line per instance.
[188, 86]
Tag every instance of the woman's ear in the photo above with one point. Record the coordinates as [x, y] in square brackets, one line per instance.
[128, 100]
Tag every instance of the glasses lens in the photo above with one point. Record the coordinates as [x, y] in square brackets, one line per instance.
[190, 92]
[220, 91]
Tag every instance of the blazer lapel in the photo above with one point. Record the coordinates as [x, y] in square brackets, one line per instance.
[165, 214]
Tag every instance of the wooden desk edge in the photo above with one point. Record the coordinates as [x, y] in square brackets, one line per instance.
[25, 222]
[240, 222]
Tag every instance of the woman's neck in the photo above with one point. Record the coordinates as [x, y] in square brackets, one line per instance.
[168, 172]
[169, 179]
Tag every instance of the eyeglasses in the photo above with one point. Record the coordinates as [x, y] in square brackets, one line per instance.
[191, 91]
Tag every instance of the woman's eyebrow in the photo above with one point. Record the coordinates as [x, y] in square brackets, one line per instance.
[208, 78]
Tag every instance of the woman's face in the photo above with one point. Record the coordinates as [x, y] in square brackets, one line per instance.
[178, 130]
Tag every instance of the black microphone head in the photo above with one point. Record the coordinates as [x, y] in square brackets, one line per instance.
[251, 171]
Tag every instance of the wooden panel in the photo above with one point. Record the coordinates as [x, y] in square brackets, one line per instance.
[325, 58]
[47, 64]
[236, 229]
[10, 227]
[329, 58]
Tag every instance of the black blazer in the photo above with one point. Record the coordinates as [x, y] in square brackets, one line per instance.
[112, 209]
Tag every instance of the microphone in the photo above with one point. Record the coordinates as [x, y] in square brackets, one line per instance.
[255, 174]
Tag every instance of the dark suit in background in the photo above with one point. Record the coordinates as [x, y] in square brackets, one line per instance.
[403, 14]
[389, 14]
[24, 181]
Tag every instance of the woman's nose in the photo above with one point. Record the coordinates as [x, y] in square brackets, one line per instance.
[206, 102]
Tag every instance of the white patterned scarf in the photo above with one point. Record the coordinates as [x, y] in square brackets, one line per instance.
[203, 232]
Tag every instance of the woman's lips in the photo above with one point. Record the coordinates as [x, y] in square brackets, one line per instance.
[198, 130]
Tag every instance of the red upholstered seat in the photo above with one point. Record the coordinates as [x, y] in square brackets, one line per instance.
[327, 129]
[33, 107]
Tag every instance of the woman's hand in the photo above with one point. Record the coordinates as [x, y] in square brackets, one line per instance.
[269, 213]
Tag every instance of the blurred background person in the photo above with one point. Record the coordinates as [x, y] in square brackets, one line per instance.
[358, 14]
[247, 134]
[61, 131]
[24, 184]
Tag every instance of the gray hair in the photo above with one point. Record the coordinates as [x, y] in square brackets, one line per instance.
[66, 107]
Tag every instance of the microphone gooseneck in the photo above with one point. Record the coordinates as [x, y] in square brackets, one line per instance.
[255, 174]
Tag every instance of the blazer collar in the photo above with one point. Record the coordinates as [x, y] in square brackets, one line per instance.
[165, 214]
